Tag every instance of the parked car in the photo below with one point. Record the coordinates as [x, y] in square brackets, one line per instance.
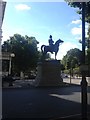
[64, 75]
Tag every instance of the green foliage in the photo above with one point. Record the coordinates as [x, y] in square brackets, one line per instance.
[87, 19]
[72, 59]
[25, 50]
[62, 67]
[87, 42]
[76, 70]
[68, 65]
[87, 39]
[88, 56]
[66, 71]
[44, 57]
[79, 11]
[89, 31]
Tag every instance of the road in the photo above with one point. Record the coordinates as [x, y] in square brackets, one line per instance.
[76, 81]
[42, 102]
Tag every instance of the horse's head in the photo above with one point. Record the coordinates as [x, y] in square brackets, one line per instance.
[60, 41]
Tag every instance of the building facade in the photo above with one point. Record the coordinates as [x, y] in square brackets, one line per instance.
[2, 11]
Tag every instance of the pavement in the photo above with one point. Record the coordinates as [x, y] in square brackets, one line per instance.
[53, 103]
[29, 82]
[20, 83]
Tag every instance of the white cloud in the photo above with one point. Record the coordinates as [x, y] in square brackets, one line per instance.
[76, 31]
[64, 47]
[86, 26]
[7, 33]
[22, 7]
[76, 22]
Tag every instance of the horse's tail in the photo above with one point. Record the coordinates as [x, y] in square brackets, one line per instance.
[42, 48]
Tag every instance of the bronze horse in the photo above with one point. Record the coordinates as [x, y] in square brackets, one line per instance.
[54, 48]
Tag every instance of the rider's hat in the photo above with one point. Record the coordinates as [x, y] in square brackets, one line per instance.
[50, 36]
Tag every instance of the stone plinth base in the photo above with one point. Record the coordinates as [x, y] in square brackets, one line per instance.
[48, 73]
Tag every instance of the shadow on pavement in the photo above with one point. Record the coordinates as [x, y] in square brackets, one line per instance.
[41, 102]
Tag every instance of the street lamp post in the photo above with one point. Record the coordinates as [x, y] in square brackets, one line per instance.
[10, 62]
[83, 82]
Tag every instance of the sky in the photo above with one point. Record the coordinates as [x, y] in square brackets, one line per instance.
[42, 19]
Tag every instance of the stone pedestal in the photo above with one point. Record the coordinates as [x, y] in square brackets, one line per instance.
[48, 73]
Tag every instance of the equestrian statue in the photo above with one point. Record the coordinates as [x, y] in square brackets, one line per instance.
[51, 47]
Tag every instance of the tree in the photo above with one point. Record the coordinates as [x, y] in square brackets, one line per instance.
[72, 59]
[25, 50]
[87, 19]
[79, 11]
[87, 16]
[87, 39]
[88, 56]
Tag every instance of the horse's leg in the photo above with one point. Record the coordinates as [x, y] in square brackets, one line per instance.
[44, 53]
[55, 55]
